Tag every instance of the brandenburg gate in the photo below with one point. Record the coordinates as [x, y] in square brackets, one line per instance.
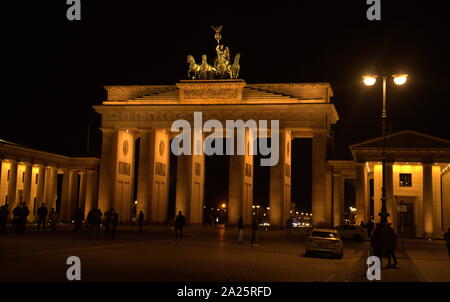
[145, 114]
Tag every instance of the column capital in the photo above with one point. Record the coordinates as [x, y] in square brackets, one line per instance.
[108, 130]
[10, 160]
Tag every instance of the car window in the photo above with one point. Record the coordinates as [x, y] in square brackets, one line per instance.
[323, 234]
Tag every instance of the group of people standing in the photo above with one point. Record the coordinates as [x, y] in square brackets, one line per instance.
[255, 227]
[20, 217]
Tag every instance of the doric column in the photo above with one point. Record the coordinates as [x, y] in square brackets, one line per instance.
[40, 193]
[108, 169]
[65, 196]
[427, 199]
[91, 191]
[27, 186]
[190, 187]
[82, 191]
[240, 189]
[12, 183]
[50, 187]
[159, 187]
[146, 153]
[329, 205]
[361, 194]
[73, 194]
[319, 158]
[338, 199]
[280, 182]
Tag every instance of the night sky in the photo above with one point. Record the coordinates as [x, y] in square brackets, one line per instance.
[54, 70]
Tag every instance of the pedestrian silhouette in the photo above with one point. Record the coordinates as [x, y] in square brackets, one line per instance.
[241, 230]
[107, 221]
[4, 212]
[42, 213]
[78, 219]
[389, 244]
[180, 221]
[24, 217]
[140, 221]
[114, 219]
[447, 241]
[376, 241]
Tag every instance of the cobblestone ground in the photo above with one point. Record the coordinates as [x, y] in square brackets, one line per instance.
[205, 254]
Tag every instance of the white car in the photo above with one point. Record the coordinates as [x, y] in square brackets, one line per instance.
[324, 241]
[351, 231]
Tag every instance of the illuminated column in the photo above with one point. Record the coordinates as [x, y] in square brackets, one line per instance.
[390, 193]
[361, 193]
[280, 183]
[91, 191]
[12, 183]
[319, 157]
[160, 177]
[27, 186]
[65, 195]
[82, 191]
[108, 169]
[338, 199]
[53, 188]
[40, 186]
[47, 181]
[190, 187]
[428, 199]
[2, 200]
[437, 201]
[50, 187]
[144, 173]
[329, 204]
[73, 195]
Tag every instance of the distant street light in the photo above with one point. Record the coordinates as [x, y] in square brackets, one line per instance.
[370, 80]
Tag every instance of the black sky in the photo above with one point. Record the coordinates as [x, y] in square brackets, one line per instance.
[54, 69]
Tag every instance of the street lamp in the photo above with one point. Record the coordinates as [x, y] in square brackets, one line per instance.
[370, 80]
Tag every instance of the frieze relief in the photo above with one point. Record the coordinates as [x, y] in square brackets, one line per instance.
[218, 115]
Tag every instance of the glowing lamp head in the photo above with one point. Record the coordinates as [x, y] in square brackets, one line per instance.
[400, 79]
[223, 205]
[369, 80]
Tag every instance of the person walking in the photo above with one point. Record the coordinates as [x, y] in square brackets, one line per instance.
[390, 244]
[114, 220]
[17, 213]
[180, 221]
[91, 222]
[241, 230]
[376, 242]
[78, 219]
[107, 222]
[254, 231]
[42, 213]
[4, 212]
[447, 241]
[140, 221]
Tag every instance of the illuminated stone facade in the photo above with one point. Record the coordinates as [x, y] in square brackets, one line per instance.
[417, 182]
[31, 176]
[146, 113]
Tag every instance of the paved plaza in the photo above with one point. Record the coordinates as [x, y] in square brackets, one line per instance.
[204, 254]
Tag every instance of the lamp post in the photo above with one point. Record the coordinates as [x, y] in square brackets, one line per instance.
[370, 80]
